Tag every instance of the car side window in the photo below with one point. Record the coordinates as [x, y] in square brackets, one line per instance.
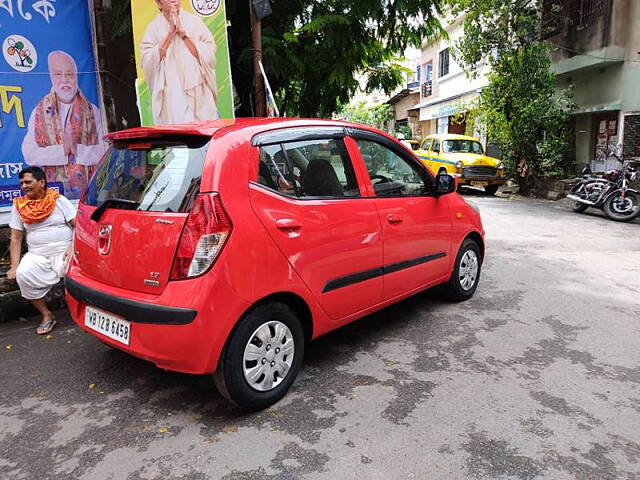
[426, 144]
[436, 146]
[308, 169]
[392, 175]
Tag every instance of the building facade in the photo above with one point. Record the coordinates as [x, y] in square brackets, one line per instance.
[405, 98]
[445, 88]
[597, 54]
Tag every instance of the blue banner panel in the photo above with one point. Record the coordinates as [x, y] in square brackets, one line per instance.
[49, 107]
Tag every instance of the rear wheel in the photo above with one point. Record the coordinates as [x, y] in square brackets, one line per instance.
[466, 272]
[622, 208]
[262, 357]
[579, 207]
[491, 189]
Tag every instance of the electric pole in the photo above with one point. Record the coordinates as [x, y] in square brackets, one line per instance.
[260, 109]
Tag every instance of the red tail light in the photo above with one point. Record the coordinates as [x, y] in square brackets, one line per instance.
[202, 238]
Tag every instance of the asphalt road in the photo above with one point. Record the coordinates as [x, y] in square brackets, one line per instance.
[537, 376]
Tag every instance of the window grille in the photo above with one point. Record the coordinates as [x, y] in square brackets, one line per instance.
[443, 68]
[572, 14]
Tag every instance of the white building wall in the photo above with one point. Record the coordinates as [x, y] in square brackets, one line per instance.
[450, 91]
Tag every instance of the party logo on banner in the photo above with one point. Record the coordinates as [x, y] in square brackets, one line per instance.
[20, 53]
[182, 60]
[49, 106]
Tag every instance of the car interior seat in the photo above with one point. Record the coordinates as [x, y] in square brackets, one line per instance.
[320, 179]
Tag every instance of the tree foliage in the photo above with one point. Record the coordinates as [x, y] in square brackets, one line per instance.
[521, 107]
[379, 116]
[313, 49]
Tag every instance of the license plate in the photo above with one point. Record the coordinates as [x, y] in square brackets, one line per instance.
[479, 184]
[108, 324]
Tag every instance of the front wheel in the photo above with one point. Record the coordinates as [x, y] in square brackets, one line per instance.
[622, 208]
[262, 357]
[466, 273]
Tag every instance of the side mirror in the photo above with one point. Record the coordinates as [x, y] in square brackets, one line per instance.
[445, 183]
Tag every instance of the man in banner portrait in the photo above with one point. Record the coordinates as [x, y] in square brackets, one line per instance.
[178, 56]
[64, 134]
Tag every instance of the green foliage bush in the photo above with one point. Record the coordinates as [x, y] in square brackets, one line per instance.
[520, 107]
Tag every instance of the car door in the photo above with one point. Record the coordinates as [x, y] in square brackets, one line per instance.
[416, 225]
[309, 198]
[425, 155]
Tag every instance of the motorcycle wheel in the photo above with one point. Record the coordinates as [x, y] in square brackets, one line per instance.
[579, 207]
[622, 209]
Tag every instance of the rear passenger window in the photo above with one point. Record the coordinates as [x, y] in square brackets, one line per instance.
[436, 146]
[312, 168]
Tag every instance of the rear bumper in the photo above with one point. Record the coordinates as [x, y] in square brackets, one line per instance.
[135, 312]
[183, 329]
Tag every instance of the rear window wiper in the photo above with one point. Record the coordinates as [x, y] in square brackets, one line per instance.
[113, 202]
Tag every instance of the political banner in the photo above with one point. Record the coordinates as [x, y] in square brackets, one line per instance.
[50, 112]
[182, 61]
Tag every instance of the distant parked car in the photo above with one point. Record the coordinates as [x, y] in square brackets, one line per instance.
[464, 158]
[223, 247]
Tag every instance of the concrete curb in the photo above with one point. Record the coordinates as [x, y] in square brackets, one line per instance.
[13, 306]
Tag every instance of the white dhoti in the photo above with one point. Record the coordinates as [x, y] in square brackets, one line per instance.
[36, 275]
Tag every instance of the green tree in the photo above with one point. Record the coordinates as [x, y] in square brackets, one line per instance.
[379, 116]
[314, 49]
[520, 107]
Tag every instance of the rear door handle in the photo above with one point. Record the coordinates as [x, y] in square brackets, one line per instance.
[288, 224]
[393, 219]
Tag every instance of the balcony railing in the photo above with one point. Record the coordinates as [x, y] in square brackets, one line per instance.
[426, 90]
[572, 14]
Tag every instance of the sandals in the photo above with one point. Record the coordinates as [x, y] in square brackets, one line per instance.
[46, 326]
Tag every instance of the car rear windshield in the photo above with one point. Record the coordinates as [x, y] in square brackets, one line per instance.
[159, 175]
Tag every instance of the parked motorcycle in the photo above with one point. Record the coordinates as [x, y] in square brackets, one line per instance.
[611, 193]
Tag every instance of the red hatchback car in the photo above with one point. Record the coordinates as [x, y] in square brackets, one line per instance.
[223, 247]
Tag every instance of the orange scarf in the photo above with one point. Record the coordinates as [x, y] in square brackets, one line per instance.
[34, 211]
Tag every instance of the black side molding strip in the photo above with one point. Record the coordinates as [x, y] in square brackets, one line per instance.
[137, 312]
[394, 267]
[376, 272]
[351, 279]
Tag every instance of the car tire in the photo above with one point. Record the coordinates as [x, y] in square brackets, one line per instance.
[491, 189]
[462, 284]
[242, 377]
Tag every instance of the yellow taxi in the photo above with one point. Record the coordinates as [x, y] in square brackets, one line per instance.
[464, 158]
